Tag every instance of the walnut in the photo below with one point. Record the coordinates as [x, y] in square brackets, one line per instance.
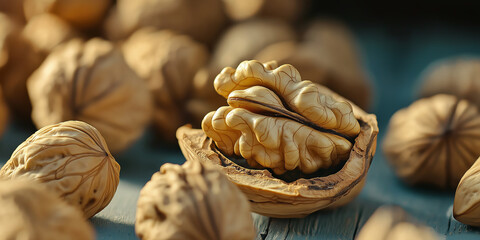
[466, 205]
[167, 62]
[455, 76]
[83, 14]
[239, 10]
[317, 144]
[29, 211]
[200, 19]
[193, 201]
[394, 223]
[3, 114]
[46, 31]
[232, 48]
[72, 159]
[328, 56]
[18, 59]
[13, 8]
[433, 141]
[90, 81]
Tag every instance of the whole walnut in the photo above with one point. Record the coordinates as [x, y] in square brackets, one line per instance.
[46, 31]
[29, 211]
[167, 62]
[393, 223]
[288, 10]
[4, 114]
[72, 159]
[193, 201]
[434, 140]
[466, 206]
[200, 19]
[18, 59]
[90, 81]
[328, 56]
[458, 76]
[85, 14]
[240, 42]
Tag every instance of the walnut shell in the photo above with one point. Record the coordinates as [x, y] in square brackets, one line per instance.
[393, 223]
[18, 59]
[193, 201]
[268, 194]
[434, 140]
[72, 159]
[167, 62]
[287, 10]
[466, 204]
[90, 81]
[46, 31]
[80, 13]
[455, 76]
[3, 114]
[200, 19]
[29, 211]
[327, 56]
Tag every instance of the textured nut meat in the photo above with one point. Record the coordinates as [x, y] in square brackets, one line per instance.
[434, 141]
[394, 223]
[277, 122]
[193, 201]
[200, 19]
[29, 211]
[80, 13]
[455, 76]
[3, 114]
[91, 82]
[467, 200]
[167, 62]
[72, 159]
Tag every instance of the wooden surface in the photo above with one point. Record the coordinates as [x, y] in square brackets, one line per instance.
[395, 58]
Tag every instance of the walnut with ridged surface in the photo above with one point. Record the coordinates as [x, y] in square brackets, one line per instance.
[71, 159]
[434, 141]
[466, 206]
[192, 201]
[292, 146]
[91, 82]
[29, 211]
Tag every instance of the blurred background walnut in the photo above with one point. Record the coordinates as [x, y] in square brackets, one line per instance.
[192, 201]
[434, 141]
[326, 55]
[458, 76]
[84, 14]
[14, 9]
[393, 223]
[282, 9]
[90, 81]
[4, 115]
[18, 59]
[200, 19]
[29, 211]
[72, 159]
[167, 62]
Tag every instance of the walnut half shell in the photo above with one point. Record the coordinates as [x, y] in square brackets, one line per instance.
[466, 206]
[269, 195]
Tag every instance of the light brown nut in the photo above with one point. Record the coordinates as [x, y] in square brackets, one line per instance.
[287, 10]
[200, 19]
[193, 201]
[91, 82]
[434, 141]
[393, 223]
[466, 205]
[167, 62]
[4, 114]
[18, 59]
[29, 211]
[327, 55]
[456, 76]
[84, 14]
[317, 145]
[46, 31]
[72, 159]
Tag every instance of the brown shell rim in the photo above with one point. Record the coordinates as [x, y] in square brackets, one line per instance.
[261, 187]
